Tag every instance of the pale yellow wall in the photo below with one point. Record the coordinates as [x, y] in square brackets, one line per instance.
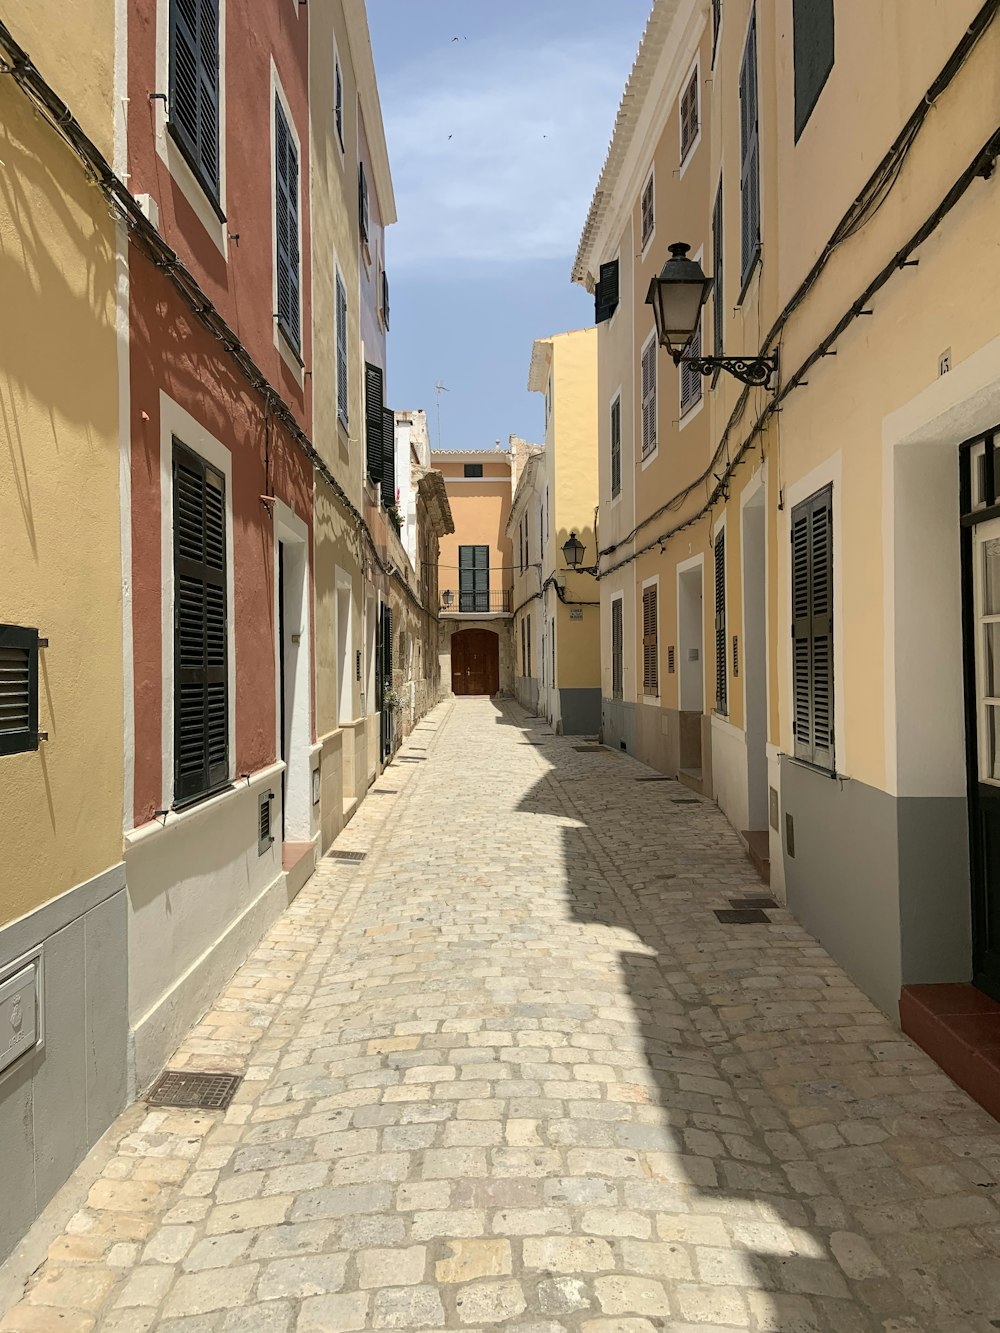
[61, 807]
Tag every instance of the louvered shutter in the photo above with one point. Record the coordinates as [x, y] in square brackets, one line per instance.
[286, 197]
[649, 398]
[529, 645]
[606, 292]
[718, 286]
[813, 42]
[385, 299]
[812, 628]
[689, 115]
[374, 420]
[650, 665]
[749, 156]
[388, 457]
[721, 701]
[617, 646]
[691, 378]
[18, 689]
[482, 577]
[716, 24]
[362, 201]
[201, 706]
[342, 380]
[193, 106]
[338, 101]
[616, 447]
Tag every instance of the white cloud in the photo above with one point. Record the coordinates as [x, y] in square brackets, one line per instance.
[529, 129]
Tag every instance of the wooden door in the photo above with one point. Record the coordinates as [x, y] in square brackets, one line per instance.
[475, 662]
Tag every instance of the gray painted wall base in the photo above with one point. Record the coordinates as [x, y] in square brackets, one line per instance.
[883, 883]
[580, 711]
[618, 724]
[58, 1099]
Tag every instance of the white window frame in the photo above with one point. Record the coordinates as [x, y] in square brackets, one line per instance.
[648, 184]
[684, 158]
[167, 150]
[286, 352]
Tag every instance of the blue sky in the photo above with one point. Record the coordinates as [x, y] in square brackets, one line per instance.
[489, 219]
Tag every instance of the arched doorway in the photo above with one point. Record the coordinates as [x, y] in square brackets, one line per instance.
[475, 661]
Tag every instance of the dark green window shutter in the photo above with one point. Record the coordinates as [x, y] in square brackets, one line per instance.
[606, 292]
[388, 457]
[374, 420]
[617, 645]
[749, 157]
[718, 286]
[385, 299]
[342, 381]
[286, 196]
[616, 447]
[474, 578]
[18, 689]
[812, 628]
[812, 23]
[362, 201]
[387, 647]
[193, 105]
[721, 701]
[716, 25]
[201, 704]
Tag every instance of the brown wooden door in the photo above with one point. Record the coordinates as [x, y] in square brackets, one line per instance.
[475, 662]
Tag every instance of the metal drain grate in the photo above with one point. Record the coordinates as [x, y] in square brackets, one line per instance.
[353, 857]
[658, 777]
[196, 1091]
[686, 800]
[590, 749]
[753, 902]
[741, 916]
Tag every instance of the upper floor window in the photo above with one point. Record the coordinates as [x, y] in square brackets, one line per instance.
[18, 689]
[193, 106]
[342, 365]
[286, 205]
[649, 397]
[374, 420]
[812, 24]
[363, 202]
[749, 157]
[616, 446]
[812, 628]
[716, 25]
[648, 218]
[691, 378]
[385, 300]
[606, 292]
[718, 273]
[472, 470]
[338, 100]
[690, 114]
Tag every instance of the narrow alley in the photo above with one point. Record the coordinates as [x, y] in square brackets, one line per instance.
[508, 1068]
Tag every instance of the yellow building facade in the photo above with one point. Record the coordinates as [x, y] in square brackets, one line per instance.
[63, 966]
[557, 637]
[799, 573]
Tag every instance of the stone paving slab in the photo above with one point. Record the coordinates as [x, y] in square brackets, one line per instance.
[510, 1071]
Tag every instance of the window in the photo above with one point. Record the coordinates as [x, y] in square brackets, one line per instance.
[524, 653]
[193, 106]
[617, 649]
[721, 702]
[385, 299]
[749, 157]
[529, 644]
[690, 120]
[388, 458]
[648, 219]
[343, 382]
[718, 287]
[363, 202]
[616, 447]
[546, 513]
[716, 25]
[541, 531]
[286, 202]
[812, 628]
[473, 470]
[374, 421]
[18, 689]
[691, 378]
[650, 655]
[201, 702]
[812, 23]
[649, 397]
[473, 578]
[338, 100]
[606, 292]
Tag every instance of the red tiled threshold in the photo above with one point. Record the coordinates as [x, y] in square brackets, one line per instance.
[959, 1027]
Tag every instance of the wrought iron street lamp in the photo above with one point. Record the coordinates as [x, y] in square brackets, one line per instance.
[677, 297]
[573, 549]
[447, 597]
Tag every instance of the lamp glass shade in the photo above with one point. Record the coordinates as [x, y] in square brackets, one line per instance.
[573, 550]
[677, 295]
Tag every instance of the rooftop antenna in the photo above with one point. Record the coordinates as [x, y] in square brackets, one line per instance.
[439, 389]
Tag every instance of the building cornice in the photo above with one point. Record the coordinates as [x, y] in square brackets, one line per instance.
[525, 486]
[360, 41]
[541, 363]
[431, 488]
[668, 45]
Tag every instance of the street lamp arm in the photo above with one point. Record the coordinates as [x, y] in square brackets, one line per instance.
[749, 369]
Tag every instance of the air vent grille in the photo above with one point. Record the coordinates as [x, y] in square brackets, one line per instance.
[264, 835]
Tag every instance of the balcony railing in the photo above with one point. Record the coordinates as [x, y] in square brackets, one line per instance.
[476, 603]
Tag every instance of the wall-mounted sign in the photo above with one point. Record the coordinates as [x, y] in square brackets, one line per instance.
[576, 613]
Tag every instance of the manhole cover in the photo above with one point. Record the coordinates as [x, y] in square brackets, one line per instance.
[353, 857]
[741, 916]
[196, 1091]
[753, 902]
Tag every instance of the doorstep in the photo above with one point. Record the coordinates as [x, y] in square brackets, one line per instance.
[298, 861]
[959, 1027]
[758, 845]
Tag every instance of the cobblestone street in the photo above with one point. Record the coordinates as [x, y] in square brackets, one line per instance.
[511, 1071]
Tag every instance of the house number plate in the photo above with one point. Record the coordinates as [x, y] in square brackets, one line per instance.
[18, 1014]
